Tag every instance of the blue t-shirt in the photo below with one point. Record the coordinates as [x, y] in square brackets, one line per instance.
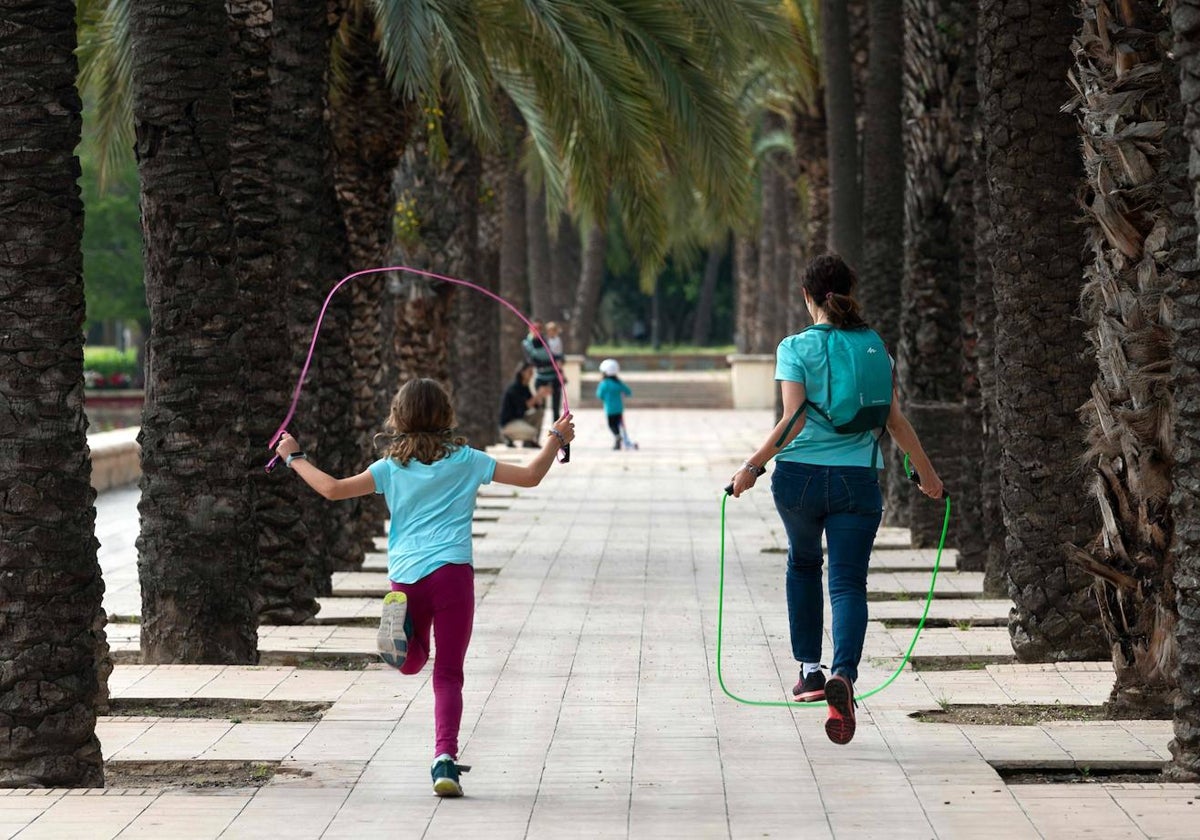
[802, 358]
[431, 507]
[612, 391]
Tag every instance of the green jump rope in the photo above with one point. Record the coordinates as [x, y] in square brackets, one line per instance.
[937, 564]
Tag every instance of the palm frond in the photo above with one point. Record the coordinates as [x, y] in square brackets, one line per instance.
[105, 55]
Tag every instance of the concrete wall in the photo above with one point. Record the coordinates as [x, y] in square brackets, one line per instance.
[116, 458]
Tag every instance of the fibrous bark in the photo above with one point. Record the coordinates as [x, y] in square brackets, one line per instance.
[1184, 299]
[1141, 228]
[1034, 173]
[939, 101]
[51, 625]
[198, 550]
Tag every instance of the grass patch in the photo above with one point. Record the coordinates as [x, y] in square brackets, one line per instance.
[974, 662]
[194, 774]
[1081, 773]
[913, 596]
[1008, 714]
[957, 623]
[239, 711]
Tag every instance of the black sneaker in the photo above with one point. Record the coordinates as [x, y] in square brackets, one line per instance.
[810, 689]
[839, 694]
[445, 777]
[530, 444]
[617, 443]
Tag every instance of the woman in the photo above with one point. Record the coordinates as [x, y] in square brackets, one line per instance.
[521, 409]
[826, 481]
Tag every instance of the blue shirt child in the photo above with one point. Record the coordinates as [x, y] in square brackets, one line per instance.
[431, 507]
[612, 392]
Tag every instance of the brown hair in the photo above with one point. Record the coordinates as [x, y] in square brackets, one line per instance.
[831, 283]
[420, 424]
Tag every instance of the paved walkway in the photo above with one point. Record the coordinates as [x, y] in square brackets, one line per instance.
[592, 703]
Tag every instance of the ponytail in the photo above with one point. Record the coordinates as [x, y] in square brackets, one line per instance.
[831, 283]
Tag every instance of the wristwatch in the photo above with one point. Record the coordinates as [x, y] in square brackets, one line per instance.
[755, 469]
[293, 457]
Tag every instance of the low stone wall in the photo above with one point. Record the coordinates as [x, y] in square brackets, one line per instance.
[753, 380]
[116, 459]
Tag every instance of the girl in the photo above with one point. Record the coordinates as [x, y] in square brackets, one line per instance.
[429, 479]
[612, 392]
[825, 482]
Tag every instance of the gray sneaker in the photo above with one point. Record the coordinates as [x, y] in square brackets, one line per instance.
[393, 629]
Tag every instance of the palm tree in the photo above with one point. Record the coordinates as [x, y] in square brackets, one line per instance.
[939, 87]
[514, 280]
[845, 198]
[1034, 172]
[587, 296]
[475, 320]
[197, 548]
[52, 580]
[1138, 238]
[883, 170]
[1185, 500]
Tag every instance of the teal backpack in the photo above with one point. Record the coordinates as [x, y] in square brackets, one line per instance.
[860, 396]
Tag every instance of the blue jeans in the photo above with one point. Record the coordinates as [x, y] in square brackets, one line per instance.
[846, 504]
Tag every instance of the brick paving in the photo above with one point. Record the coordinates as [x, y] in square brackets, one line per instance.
[592, 703]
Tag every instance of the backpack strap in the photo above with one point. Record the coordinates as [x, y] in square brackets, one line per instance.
[825, 328]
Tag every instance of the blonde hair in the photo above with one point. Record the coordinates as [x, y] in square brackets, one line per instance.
[420, 424]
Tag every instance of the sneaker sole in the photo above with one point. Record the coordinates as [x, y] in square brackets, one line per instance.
[841, 724]
[447, 788]
[809, 696]
[393, 647]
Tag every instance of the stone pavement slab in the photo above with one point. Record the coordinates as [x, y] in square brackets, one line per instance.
[592, 706]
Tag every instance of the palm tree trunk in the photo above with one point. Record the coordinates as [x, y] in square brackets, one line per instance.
[565, 266]
[198, 551]
[49, 641]
[368, 126]
[1184, 298]
[702, 324]
[1042, 375]
[812, 189]
[445, 193]
[845, 199]
[774, 263]
[477, 378]
[1140, 234]
[514, 281]
[938, 102]
[883, 172]
[745, 267]
[995, 577]
[287, 589]
[587, 295]
[537, 237]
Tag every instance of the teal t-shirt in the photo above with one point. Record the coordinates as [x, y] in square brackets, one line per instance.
[431, 508]
[612, 392]
[802, 358]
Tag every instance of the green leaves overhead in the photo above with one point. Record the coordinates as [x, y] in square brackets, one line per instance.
[629, 100]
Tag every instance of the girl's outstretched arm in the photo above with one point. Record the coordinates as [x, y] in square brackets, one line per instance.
[531, 474]
[331, 488]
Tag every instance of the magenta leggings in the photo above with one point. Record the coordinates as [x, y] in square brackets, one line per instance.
[445, 600]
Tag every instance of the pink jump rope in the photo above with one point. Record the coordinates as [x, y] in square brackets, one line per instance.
[564, 454]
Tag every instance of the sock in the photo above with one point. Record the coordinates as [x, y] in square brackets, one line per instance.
[809, 667]
[442, 757]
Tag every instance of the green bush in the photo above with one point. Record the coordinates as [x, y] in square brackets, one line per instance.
[108, 361]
